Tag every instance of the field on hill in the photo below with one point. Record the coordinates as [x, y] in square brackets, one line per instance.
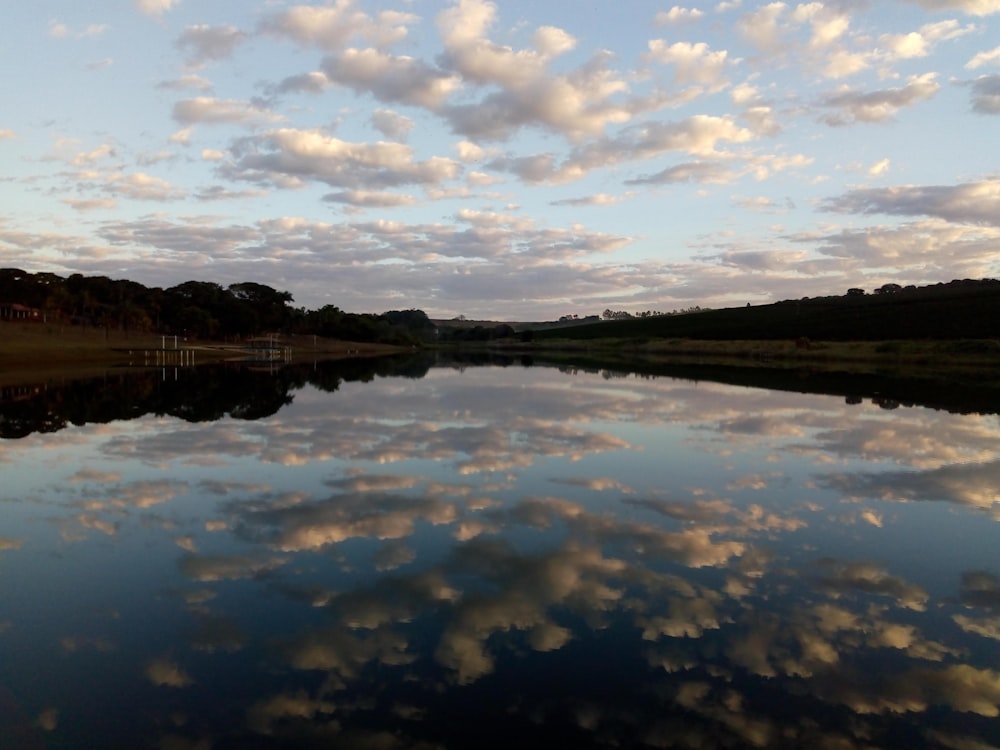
[957, 310]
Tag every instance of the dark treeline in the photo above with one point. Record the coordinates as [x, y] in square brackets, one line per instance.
[198, 309]
[967, 309]
[199, 394]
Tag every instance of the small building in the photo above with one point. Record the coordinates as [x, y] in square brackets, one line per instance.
[18, 312]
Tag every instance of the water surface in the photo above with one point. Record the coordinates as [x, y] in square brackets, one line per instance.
[491, 556]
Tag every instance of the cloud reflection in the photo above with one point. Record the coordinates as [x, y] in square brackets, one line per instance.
[381, 555]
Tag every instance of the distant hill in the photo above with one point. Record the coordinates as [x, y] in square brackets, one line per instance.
[968, 309]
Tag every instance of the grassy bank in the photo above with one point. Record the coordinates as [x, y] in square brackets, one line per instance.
[841, 356]
[32, 351]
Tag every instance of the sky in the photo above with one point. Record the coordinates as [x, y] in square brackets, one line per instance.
[504, 161]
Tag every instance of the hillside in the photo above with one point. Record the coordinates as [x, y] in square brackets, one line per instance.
[956, 310]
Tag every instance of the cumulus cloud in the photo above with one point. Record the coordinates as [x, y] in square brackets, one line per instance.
[852, 106]
[677, 14]
[921, 43]
[598, 199]
[578, 104]
[692, 63]
[90, 204]
[185, 82]
[156, 8]
[264, 714]
[699, 135]
[879, 168]
[142, 187]
[980, 589]
[970, 202]
[367, 514]
[333, 26]
[972, 7]
[524, 590]
[391, 124]
[989, 57]
[986, 95]
[166, 673]
[288, 156]
[203, 43]
[370, 199]
[62, 31]
[226, 567]
[211, 111]
[921, 250]
[965, 484]
[844, 578]
[390, 78]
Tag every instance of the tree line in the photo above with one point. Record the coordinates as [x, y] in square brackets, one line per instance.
[198, 309]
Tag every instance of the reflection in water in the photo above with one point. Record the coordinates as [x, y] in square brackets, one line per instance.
[491, 556]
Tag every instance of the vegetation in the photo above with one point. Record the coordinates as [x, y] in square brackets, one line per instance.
[967, 309]
[77, 319]
[194, 309]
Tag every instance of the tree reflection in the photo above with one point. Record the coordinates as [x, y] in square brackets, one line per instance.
[197, 394]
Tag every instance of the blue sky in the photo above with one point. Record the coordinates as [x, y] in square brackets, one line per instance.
[508, 161]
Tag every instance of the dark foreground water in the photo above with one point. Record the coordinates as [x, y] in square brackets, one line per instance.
[493, 557]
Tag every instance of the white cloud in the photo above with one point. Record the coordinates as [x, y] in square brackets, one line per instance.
[986, 95]
[598, 199]
[212, 111]
[972, 7]
[155, 7]
[166, 673]
[203, 43]
[7, 134]
[578, 104]
[879, 168]
[762, 28]
[390, 78]
[89, 157]
[852, 106]
[313, 82]
[990, 57]
[371, 199]
[676, 15]
[62, 31]
[91, 204]
[391, 124]
[469, 152]
[693, 63]
[971, 202]
[182, 136]
[188, 81]
[142, 187]
[921, 43]
[333, 26]
[287, 156]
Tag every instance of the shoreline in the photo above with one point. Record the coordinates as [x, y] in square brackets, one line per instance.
[33, 352]
[958, 356]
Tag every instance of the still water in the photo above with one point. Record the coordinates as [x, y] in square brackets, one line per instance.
[486, 556]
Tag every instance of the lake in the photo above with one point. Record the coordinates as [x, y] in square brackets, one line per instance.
[490, 554]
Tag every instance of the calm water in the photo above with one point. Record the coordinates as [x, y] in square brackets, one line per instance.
[493, 557]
